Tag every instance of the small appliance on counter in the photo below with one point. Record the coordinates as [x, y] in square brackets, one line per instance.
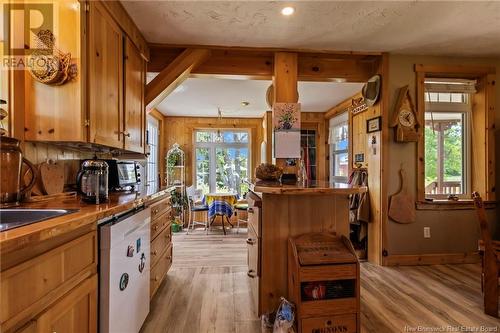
[123, 175]
[92, 181]
[11, 160]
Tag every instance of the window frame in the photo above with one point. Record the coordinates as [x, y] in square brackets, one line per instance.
[212, 146]
[482, 129]
[156, 181]
[338, 120]
[465, 109]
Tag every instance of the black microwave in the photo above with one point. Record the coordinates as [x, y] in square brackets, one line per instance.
[123, 174]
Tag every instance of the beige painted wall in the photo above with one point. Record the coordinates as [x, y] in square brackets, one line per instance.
[451, 231]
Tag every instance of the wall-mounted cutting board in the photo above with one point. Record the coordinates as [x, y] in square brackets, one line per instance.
[402, 203]
[52, 177]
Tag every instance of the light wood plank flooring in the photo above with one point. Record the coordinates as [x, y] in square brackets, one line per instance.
[207, 290]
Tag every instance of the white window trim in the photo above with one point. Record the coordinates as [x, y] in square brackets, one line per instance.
[155, 123]
[334, 122]
[212, 147]
[466, 110]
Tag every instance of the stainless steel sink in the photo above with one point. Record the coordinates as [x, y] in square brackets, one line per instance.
[17, 217]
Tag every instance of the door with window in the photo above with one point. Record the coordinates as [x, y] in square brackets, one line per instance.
[339, 148]
[222, 160]
[447, 138]
[152, 162]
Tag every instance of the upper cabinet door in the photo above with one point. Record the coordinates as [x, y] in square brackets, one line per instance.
[105, 88]
[134, 99]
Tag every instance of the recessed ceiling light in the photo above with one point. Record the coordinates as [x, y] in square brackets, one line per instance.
[245, 103]
[287, 11]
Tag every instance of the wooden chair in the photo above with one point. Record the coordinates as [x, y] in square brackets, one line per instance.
[490, 260]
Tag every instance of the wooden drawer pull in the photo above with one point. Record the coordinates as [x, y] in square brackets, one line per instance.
[251, 273]
[251, 241]
[156, 278]
[169, 257]
[156, 227]
[155, 211]
[155, 252]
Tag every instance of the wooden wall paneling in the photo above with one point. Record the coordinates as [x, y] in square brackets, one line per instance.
[180, 130]
[48, 108]
[378, 229]
[105, 78]
[120, 15]
[173, 75]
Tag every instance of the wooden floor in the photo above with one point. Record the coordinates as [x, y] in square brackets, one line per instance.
[207, 290]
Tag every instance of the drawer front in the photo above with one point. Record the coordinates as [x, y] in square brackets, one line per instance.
[28, 283]
[160, 207]
[253, 244]
[159, 224]
[343, 323]
[159, 270]
[254, 218]
[160, 244]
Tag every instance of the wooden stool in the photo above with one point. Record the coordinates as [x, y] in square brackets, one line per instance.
[323, 282]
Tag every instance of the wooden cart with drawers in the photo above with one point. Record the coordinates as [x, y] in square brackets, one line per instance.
[323, 282]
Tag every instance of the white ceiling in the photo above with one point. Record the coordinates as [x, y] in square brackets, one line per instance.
[200, 97]
[411, 27]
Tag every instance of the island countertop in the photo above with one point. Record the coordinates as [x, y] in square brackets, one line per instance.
[310, 187]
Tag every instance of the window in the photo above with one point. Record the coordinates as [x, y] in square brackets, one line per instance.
[339, 149]
[152, 175]
[308, 146]
[447, 139]
[222, 160]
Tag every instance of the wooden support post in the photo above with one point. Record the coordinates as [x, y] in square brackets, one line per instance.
[285, 85]
[173, 75]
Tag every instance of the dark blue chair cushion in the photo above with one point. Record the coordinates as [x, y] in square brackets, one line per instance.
[199, 208]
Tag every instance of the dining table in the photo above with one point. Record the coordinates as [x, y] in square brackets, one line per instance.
[220, 204]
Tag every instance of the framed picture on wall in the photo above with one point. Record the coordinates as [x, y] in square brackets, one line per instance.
[374, 124]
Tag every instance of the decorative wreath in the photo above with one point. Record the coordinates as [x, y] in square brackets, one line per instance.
[48, 64]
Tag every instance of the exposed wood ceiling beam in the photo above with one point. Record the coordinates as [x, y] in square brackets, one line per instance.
[173, 75]
[341, 107]
[254, 63]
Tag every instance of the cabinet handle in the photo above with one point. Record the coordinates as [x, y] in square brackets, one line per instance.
[156, 227]
[251, 273]
[156, 278]
[155, 252]
[251, 241]
[156, 210]
[169, 257]
[250, 210]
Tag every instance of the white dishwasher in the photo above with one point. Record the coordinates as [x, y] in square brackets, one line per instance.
[124, 269]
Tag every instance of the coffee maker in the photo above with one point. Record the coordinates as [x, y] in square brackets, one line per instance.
[92, 181]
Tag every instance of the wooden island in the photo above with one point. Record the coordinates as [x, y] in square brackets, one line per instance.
[277, 212]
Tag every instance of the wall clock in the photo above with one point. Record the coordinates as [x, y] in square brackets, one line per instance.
[405, 120]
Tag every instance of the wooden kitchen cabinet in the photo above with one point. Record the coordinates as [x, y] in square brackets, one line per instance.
[52, 289]
[104, 103]
[135, 80]
[105, 50]
[74, 312]
[161, 243]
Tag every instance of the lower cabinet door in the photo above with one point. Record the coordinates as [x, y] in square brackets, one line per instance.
[74, 312]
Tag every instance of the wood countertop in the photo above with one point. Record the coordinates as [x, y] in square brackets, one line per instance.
[88, 214]
[312, 187]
